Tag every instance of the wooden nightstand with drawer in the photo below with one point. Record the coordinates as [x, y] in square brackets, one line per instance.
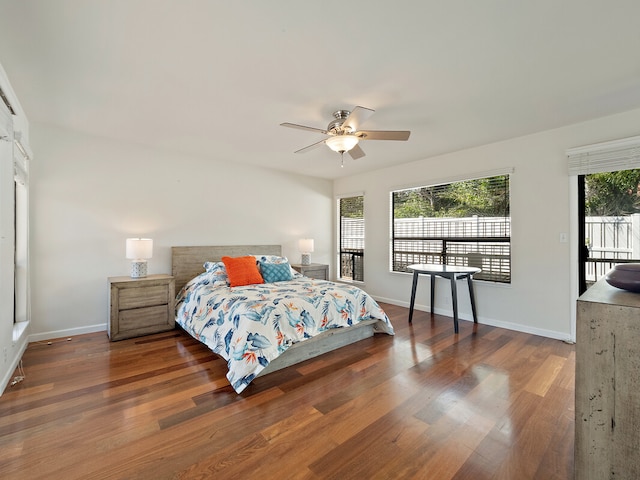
[319, 271]
[141, 306]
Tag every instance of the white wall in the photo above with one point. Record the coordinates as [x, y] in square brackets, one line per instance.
[541, 296]
[89, 194]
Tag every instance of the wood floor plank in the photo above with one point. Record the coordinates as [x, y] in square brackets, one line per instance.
[541, 381]
[487, 403]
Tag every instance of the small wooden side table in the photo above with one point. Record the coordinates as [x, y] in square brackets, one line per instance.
[319, 271]
[141, 306]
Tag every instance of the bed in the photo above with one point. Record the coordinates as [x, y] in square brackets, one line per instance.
[261, 328]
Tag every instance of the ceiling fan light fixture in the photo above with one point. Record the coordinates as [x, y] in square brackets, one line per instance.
[341, 143]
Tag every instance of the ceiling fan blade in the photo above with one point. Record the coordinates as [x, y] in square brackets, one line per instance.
[356, 152]
[358, 116]
[309, 147]
[384, 134]
[303, 127]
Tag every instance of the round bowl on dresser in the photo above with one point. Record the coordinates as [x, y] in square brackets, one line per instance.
[625, 276]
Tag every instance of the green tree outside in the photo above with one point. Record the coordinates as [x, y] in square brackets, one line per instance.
[612, 193]
[484, 197]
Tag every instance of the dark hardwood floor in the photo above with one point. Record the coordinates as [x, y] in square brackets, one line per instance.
[426, 404]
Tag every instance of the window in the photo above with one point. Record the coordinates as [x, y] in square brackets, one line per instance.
[21, 222]
[351, 241]
[609, 209]
[608, 175]
[462, 223]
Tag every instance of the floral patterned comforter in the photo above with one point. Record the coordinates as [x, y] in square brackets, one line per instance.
[250, 326]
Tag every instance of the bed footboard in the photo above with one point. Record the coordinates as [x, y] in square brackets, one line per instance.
[323, 343]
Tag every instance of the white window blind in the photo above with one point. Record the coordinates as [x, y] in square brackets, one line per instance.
[6, 122]
[20, 170]
[21, 157]
[613, 156]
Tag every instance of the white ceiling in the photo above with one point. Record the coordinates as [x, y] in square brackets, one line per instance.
[217, 78]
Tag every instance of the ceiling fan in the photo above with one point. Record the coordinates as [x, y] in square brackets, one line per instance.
[344, 134]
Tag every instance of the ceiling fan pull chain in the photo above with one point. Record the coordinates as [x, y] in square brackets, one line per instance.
[341, 159]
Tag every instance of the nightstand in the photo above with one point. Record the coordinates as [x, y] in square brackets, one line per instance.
[319, 271]
[140, 306]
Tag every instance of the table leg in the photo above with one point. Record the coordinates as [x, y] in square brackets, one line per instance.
[454, 296]
[433, 291]
[472, 297]
[413, 295]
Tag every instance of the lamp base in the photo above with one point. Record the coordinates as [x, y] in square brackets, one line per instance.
[138, 269]
[306, 259]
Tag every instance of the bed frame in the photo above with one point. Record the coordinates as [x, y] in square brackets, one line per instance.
[187, 263]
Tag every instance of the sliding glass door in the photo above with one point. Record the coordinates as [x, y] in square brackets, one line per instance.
[609, 228]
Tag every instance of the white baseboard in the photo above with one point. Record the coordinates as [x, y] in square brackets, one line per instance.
[69, 332]
[483, 320]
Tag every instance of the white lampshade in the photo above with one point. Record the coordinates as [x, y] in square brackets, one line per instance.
[341, 143]
[305, 245]
[139, 248]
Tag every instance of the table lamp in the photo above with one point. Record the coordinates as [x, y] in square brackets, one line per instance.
[305, 245]
[138, 250]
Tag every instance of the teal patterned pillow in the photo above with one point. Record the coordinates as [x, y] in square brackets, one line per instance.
[275, 272]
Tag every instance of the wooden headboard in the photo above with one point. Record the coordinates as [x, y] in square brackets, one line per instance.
[186, 262]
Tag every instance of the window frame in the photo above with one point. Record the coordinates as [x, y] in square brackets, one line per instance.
[357, 257]
[493, 252]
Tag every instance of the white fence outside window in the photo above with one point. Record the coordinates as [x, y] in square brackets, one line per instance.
[611, 240]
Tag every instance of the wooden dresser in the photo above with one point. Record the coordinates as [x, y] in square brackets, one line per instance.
[607, 416]
[140, 306]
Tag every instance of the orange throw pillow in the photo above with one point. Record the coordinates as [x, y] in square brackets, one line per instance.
[242, 270]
